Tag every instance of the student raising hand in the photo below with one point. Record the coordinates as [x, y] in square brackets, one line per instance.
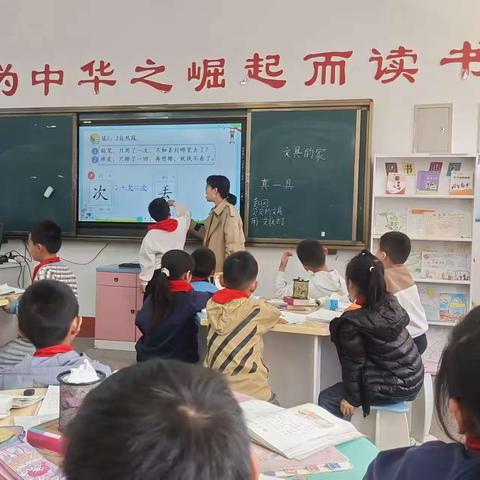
[284, 260]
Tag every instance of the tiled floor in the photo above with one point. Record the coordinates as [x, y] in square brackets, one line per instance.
[120, 359]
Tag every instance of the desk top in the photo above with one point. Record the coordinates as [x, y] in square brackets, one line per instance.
[9, 265]
[306, 328]
[116, 269]
[360, 452]
[21, 412]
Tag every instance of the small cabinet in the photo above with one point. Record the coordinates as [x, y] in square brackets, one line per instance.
[119, 298]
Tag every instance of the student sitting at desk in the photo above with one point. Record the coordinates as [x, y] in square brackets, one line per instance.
[237, 324]
[160, 420]
[164, 235]
[167, 319]
[44, 243]
[380, 362]
[457, 391]
[394, 250]
[202, 275]
[323, 281]
[48, 317]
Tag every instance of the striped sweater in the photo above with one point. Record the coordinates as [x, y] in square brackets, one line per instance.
[235, 343]
[59, 272]
[15, 351]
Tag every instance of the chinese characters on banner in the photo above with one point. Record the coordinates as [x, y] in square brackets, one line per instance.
[325, 68]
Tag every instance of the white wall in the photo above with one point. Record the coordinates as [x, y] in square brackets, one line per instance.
[175, 33]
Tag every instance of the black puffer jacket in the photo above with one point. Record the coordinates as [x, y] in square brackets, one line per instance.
[380, 362]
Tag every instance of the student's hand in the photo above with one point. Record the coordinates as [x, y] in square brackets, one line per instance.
[143, 288]
[10, 298]
[346, 409]
[284, 261]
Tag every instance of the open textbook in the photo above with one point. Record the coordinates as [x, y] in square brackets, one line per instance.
[296, 432]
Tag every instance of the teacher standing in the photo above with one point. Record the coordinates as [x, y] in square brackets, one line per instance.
[222, 231]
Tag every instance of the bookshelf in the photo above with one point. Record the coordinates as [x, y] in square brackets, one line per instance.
[439, 224]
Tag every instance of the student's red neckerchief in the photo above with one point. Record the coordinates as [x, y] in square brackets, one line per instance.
[472, 443]
[53, 350]
[42, 264]
[180, 286]
[227, 295]
[167, 225]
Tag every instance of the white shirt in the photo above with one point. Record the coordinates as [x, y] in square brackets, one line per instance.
[321, 284]
[157, 242]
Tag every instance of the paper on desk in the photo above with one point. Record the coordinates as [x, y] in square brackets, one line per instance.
[51, 402]
[253, 409]
[293, 318]
[6, 289]
[323, 315]
[32, 421]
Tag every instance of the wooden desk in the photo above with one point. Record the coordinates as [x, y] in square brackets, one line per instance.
[301, 358]
[21, 412]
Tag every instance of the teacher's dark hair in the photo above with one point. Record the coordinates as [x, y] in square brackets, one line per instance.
[160, 419]
[222, 184]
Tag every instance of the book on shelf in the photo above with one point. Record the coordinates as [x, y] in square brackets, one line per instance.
[428, 182]
[297, 432]
[396, 184]
[453, 167]
[440, 265]
[452, 307]
[430, 301]
[461, 183]
[391, 167]
[435, 167]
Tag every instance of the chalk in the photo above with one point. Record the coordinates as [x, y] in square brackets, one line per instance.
[48, 192]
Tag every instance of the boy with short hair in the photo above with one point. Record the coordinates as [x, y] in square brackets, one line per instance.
[394, 250]
[165, 234]
[44, 243]
[48, 317]
[187, 426]
[204, 269]
[323, 281]
[237, 323]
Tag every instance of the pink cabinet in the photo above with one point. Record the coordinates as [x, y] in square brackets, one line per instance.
[119, 297]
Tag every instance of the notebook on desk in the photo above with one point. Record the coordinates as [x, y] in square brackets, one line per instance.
[297, 432]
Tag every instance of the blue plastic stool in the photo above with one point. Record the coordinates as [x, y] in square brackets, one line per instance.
[387, 425]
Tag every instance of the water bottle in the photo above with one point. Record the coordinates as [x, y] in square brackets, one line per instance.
[334, 299]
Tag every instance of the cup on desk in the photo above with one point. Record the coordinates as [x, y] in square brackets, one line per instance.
[72, 396]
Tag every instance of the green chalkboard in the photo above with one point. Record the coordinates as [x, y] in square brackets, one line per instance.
[307, 175]
[36, 151]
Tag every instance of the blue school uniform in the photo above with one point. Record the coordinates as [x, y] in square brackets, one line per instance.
[175, 337]
[203, 286]
[432, 460]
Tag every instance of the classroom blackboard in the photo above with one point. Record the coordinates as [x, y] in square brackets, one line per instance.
[37, 151]
[306, 175]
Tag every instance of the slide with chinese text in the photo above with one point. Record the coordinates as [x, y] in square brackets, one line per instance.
[123, 167]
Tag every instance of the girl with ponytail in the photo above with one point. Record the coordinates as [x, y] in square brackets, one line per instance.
[167, 319]
[222, 231]
[380, 362]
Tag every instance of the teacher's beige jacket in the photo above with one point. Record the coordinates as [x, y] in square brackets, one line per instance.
[222, 232]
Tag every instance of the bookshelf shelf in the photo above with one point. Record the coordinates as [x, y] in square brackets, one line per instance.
[431, 197]
[442, 324]
[442, 282]
[438, 239]
[448, 250]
